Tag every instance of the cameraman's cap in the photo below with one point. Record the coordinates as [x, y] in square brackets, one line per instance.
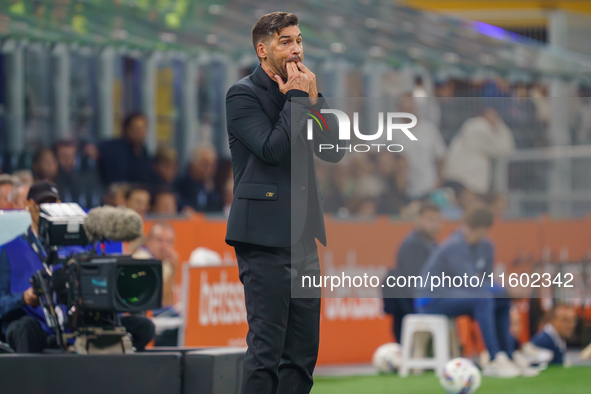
[43, 191]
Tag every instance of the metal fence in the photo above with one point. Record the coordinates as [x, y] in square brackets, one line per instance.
[554, 180]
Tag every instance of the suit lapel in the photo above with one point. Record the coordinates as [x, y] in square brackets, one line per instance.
[270, 86]
[273, 92]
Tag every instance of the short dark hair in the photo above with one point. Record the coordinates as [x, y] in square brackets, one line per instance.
[64, 143]
[479, 217]
[136, 188]
[271, 23]
[131, 117]
[428, 206]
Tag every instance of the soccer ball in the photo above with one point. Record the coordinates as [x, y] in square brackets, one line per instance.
[460, 376]
[387, 357]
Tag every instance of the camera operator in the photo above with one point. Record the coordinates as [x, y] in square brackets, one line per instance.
[22, 320]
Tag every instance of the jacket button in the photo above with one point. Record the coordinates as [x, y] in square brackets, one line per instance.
[303, 188]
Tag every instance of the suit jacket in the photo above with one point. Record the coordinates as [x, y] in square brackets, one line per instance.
[266, 132]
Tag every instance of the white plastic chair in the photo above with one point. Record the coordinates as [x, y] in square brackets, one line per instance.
[416, 330]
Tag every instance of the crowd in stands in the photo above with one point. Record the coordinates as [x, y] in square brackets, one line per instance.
[120, 172]
[461, 129]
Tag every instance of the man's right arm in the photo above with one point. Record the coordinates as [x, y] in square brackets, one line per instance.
[250, 125]
[9, 302]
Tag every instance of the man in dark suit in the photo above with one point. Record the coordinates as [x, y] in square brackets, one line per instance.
[276, 212]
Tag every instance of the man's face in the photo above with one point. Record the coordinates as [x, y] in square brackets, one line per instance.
[204, 166]
[160, 242]
[137, 130]
[283, 48]
[165, 204]
[66, 158]
[475, 235]
[430, 223]
[34, 208]
[139, 201]
[20, 198]
[5, 190]
[564, 322]
[167, 170]
[47, 165]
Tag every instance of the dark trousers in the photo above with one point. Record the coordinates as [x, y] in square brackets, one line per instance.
[283, 331]
[25, 335]
[401, 308]
[492, 315]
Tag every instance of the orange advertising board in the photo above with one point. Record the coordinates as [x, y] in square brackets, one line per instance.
[351, 327]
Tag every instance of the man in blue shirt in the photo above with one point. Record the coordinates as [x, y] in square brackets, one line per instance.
[22, 320]
[412, 255]
[555, 333]
[468, 251]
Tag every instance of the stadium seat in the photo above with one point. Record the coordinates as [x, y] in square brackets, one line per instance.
[445, 342]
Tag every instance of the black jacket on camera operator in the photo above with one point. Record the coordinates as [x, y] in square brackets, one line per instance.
[22, 320]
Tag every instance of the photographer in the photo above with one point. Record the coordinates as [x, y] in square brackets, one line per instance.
[22, 320]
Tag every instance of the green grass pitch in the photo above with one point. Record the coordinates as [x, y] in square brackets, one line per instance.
[574, 380]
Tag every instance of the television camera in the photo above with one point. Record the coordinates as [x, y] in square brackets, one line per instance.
[82, 290]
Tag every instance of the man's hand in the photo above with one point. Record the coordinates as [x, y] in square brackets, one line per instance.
[30, 298]
[295, 79]
[313, 90]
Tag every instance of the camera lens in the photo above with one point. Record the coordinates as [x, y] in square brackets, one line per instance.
[136, 285]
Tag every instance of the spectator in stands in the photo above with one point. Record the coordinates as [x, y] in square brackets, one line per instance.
[164, 202]
[425, 157]
[165, 167]
[365, 185]
[116, 194]
[6, 186]
[159, 244]
[468, 252]
[22, 320]
[196, 188]
[560, 327]
[68, 181]
[393, 171]
[461, 200]
[18, 195]
[479, 140]
[138, 199]
[412, 255]
[497, 203]
[45, 165]
[24, 176]
[126, 159]
[78, 182]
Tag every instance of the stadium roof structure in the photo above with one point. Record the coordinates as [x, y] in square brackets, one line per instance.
[357, 30]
